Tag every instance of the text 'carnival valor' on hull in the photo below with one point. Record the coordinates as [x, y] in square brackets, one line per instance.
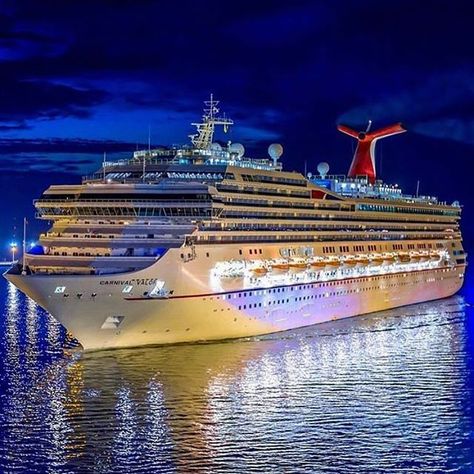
[201, 242]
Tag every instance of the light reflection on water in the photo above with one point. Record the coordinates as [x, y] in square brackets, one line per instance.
[389, 392]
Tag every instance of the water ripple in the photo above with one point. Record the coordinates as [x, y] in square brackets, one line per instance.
[389, 392]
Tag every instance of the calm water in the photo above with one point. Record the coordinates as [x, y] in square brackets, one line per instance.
[390, 392]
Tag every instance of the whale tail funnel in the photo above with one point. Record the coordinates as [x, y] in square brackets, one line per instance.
[363, 163]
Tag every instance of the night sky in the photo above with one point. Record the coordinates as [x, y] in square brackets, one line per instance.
[82, 77]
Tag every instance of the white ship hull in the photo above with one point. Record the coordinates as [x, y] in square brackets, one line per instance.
[202, 307]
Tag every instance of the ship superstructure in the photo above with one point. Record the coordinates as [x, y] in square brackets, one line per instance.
[200, 242]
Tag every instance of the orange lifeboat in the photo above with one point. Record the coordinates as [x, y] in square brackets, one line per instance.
[424, 258]
[280, 266]
[404, 258]
[434, 256]
[298, 265]
[259, 271]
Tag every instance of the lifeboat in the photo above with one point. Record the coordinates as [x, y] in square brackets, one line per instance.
[387, 259]
[415, 258]
[332, 263]
[259, 270]
[318, 264]
[298, 265]
[362, 260]
[280, 266]
[424, 258]
[377, 260]
[350, 262]
[404, 258]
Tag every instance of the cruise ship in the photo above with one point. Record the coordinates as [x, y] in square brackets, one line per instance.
[200, 243]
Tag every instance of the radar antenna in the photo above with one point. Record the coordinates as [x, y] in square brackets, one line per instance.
[205, 129]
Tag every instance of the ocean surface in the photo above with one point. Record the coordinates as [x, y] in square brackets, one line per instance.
[390, 392]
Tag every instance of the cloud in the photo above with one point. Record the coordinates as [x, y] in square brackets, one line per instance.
[448, 129]
[43, 100]
[76, 163]
[285, 25]
[11, 126]
[444, 102]
[284, 72]
[58, 145]
[76, 156]
[30, 162]
[255, 135]
[19, 45]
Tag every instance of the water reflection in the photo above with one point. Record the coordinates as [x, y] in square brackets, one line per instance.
[389, 392]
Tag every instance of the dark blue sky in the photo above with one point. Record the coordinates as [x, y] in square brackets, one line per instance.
[82, 77]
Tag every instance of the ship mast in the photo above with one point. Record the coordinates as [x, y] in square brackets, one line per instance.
[203, 139]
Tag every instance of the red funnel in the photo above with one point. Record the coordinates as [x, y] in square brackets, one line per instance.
[363, 162]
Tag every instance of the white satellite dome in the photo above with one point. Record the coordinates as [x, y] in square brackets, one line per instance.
[323, 169]
[238, 149]
[275, 150]
[216, 147]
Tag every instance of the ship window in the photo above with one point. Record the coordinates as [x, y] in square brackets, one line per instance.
[127, 289]
[207, 254]
[60, 289]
